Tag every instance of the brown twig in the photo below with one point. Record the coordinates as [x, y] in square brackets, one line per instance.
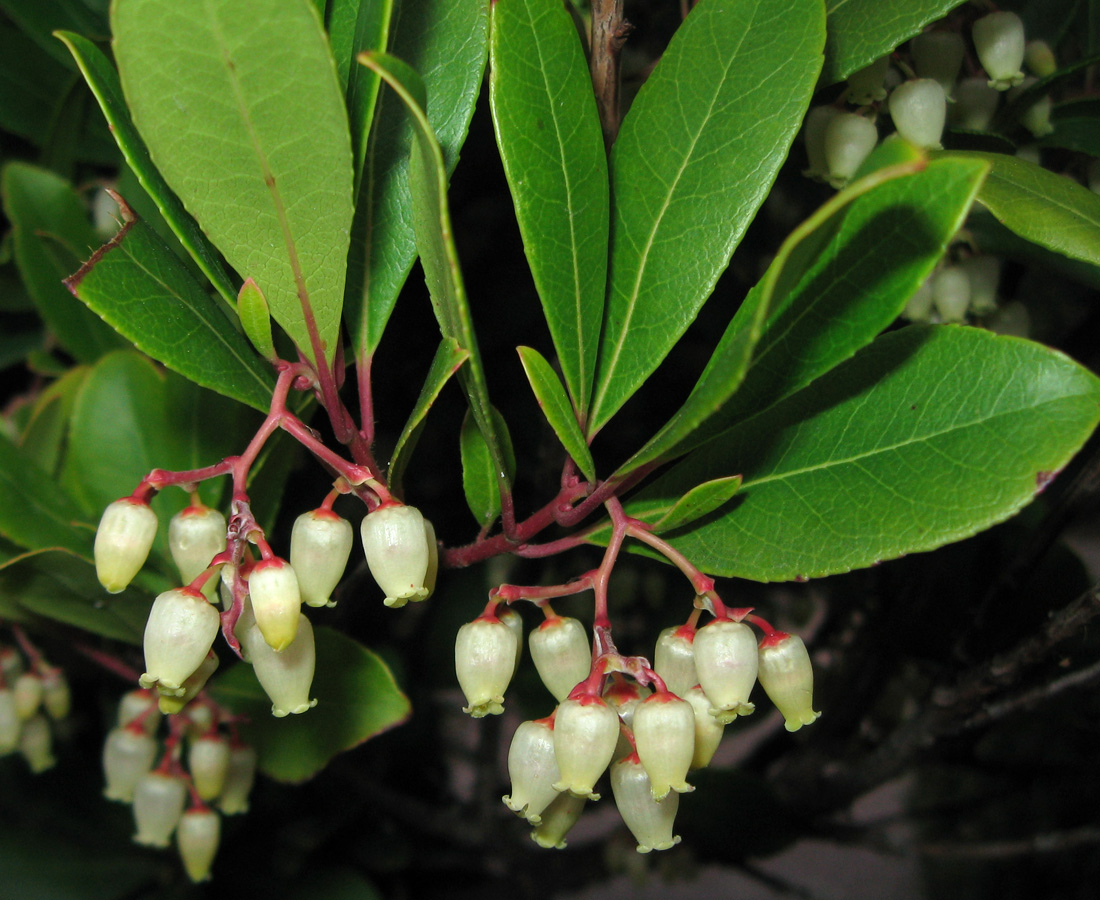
[609, 31]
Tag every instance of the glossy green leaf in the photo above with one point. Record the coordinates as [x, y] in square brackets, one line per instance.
[447, 43]
[52, 237]
[435, 244]
[145, 292]
[60, 585]
[357, 698]
[253, 138]
[449, 357]
[1079, 133]
[255, 318]
[39, 20]
[31, 82]
[990, 236]
[551, 143]
[480, 475]
[556, 407]
[43, 438]
[700, 501]
[102, 78]
[860, 31]
[35, 511]
[1039, 205]
[927, 436]
[694, 159]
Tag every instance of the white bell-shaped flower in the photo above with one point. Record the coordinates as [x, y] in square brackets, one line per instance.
[122, 542]
[951, 293]
[919, 307]
[180, 630]
[938, 55]
[485, 658]
[624, 696]
[208, 763]
[135, 704]
[561, 653]
[813, 133]
[984, 273]
[57, 698]
[1040, 58]
[395, 541]
[238, 780]
[975, 105]
[36, 744]
[557, 819]
[866, 85]
[320, 544]
[674, 659]
[433, 558]
[285, 675]
[708, 729]
[999, 40]
[514, 621]
[196, 535]
[787, 677]
[586, 731]
[10, 723]
[649, 820]
[726, 660]
[849, 140]
[664, 735]
[197, 837]
[276, 601]
[919, 111]
[159, 800]
[195, 682]
[532, 770]
[28, 690]
[128, 754]
[1036, 116]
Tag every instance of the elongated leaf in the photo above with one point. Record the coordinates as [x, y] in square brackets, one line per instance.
[435, 244]
[143, 290]
[30, 83]
[35, 511]
[62, 586]
[555, 406]
[254, 140]
[52, 237]
[700, 501]
[480, 475]
[860, 31]
[448, 358]
[1042, 207]
[550, 140]
[694, 159]
[447, 43]
[38, 21]
[43, 438]
[255, 319]
[357, 699]
[928, 435]
[103, 79]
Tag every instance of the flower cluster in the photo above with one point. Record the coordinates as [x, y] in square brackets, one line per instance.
[34, 699]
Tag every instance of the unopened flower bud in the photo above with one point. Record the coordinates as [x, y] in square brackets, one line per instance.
[919, 110]
[320, 544]
[128, 754]
[674, 659]
[787, 677]
[285, 675]
[984, 273]
[180, 630]
[938, 55]
[195, 536]
[1040, 58]
[10, 723]
[561, 653]
[817, 120]
[649, 820]
[195, 682]
[36, 744]
[276, 601]
[726, 660]
[28, 690]
[975, 105]
[208, 763]
[866, 85]
[238, 780]
[1036, 116]
[999, 40]
[395, 541]
[849, 140]
[664, 734]
[951, 293]
[158, 805]
[485, 655]
[197, 837]
[56, 696]
[557, 819]
[122, 542]
[532, 770]
[708, 728]
[586, 731]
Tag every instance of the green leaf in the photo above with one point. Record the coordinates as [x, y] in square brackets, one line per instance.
[860, 31]
[1039, 205]
[103, 79]
[694, 159]
[38, 21]
[144, 291]
[435, 244]
[60, 585]
[255, 319]
[43, 438]
[52, 236]
[449, 357]
[700, 501]
[555, 406]
[548, 131]
[447, 43]
[480, 476]
[357, 699]
[1078, 133]
[35, 511]
[30, 84]
[927, 436]
[990, 236]
[243, 115]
